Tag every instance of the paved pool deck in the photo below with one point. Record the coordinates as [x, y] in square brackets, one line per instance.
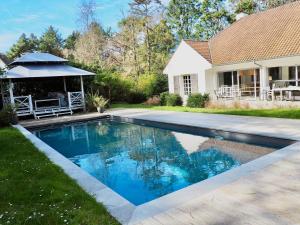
[270, 195]
[264, 191]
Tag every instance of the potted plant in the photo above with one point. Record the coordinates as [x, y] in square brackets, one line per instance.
[100, 103]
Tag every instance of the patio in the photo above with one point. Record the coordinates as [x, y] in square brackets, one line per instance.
[273, 83]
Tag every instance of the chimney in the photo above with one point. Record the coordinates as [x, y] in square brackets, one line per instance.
[240, 16]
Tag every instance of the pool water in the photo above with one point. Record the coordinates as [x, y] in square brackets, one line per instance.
[142, 163]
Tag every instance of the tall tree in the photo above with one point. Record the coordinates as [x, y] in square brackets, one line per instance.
[145, 10]
[182, 16]
[23, 45]
[213, 17]
[127, 43]
[89, 48]
[69, 45]
[51, 42]
[162, 45]
[87, 13]
[71, 40]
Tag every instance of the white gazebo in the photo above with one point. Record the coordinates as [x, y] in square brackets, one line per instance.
[37, 66]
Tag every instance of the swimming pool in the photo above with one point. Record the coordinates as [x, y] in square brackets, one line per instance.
[144, 160]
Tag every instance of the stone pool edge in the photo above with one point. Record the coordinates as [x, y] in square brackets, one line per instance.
[127, 213]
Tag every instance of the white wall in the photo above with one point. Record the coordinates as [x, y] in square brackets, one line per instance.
[187, 61]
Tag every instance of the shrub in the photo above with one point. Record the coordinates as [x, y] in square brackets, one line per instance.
[152, 84]
[89, 101]
[163, 97]
[135, 97]
[197, 100]
[173, 100]
[8, 116]
[155, 100]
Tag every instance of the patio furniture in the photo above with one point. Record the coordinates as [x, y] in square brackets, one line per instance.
[289, 89]
[228, 92]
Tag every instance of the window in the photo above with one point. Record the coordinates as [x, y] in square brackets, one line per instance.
[187, 86]
[294, 74]
[274, 73]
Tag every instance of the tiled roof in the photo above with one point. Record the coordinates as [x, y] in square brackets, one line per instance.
[201, 47]
[270, 34]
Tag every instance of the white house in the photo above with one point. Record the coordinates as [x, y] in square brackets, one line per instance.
[256, 57]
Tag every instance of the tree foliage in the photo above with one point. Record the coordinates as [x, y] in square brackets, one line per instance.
[51, 42]
[213, 18]
[246, 6]
[182, 17]
[23, 44]
[90, 46]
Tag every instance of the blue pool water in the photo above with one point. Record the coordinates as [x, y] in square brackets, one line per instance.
[138, 162]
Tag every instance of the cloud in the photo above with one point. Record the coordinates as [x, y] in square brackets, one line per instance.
[7, 40]
[26, 18]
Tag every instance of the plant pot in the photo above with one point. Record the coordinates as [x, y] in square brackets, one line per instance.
[100, 109]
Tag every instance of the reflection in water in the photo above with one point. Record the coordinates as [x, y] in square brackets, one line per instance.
[141, 163]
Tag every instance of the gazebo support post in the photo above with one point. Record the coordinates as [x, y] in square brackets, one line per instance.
[82, 92]
[65, 84]
[11, 93]
[2, 91]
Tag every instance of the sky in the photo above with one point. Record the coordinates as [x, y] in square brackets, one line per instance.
[34, 16]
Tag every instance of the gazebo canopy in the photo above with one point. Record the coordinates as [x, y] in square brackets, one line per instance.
[37, 65]
[37, 57]
[34, 71]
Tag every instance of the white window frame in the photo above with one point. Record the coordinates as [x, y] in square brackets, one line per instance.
[187, 85]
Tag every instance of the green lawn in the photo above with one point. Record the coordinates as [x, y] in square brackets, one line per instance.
[291, 113]
[35, 191]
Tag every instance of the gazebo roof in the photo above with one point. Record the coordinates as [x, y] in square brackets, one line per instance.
[37, 57]
[35, 71]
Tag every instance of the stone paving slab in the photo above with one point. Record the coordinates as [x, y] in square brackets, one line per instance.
[274, 127]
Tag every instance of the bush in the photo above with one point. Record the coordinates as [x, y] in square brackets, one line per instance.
[8, 116]
[197, 100]
[136, 97]
[152, 84]
[173, 100]
[163, 97]
[155, 100]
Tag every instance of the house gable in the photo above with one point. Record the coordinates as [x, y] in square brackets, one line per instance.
[186, 60]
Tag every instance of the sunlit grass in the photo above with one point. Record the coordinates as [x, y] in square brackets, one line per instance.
[290, 113]
[35, 191]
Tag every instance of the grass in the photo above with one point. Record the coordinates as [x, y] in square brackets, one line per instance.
[290, 113]
[35, 191]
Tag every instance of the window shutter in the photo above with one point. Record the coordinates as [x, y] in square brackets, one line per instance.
[194, 83]
[176, 85]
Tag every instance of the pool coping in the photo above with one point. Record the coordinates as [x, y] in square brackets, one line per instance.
[127, 213]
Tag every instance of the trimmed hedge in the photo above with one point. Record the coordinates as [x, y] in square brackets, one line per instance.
[197, 100]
